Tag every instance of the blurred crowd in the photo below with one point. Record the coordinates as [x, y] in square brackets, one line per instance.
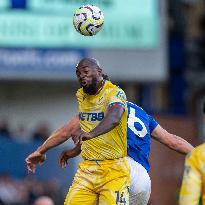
[25, 191]
[22, 134]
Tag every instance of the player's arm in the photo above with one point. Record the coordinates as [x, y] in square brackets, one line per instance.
[111, 120]
[60, 135]
[57, 137]
[172, 141]
[191, 187]
[67, 154]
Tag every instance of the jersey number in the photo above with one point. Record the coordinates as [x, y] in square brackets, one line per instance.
[132, 119]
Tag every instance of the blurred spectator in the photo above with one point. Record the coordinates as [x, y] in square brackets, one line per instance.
[44, 200]
[27, 191]
[4, 129]
[53, 190]
[42, 132]
[39, 188]
[12, 192]
[36, 188]
[1, 202]
[22, 134]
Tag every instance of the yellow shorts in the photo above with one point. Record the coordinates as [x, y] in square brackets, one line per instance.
[100, 182]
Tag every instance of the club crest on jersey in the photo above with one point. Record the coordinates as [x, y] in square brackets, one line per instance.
[121, 95]
[91, 116]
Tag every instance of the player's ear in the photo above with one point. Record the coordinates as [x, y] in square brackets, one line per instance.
[99, 71]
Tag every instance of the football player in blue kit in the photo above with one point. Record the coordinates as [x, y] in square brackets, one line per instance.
[141, 127]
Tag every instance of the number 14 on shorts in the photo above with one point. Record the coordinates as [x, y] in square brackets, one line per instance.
[120, 197]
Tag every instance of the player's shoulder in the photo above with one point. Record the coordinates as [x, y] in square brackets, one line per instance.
[136, 107]
[196, 157]
[141, 113]
[201, 146]
[199, 150]
[112, 87]
[80, 93]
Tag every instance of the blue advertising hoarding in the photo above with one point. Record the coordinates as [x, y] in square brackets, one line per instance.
[39, 63]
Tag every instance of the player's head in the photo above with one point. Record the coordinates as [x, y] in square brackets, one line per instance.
[43, 200]
[89, 74]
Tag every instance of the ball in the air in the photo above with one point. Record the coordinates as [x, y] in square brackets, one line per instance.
[88, 20]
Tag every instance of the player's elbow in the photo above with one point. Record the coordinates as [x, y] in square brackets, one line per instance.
[63, 134]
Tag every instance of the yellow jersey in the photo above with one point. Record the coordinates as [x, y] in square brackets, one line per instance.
[193, 184]
[92, 110]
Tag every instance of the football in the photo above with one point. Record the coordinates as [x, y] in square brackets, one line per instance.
[88, 20]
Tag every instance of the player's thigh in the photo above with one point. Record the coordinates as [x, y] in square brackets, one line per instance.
[115, 193]
[140, 185]
[140, 199]
[139, 178]
[115, 189]
[81, 191]
[78, 195]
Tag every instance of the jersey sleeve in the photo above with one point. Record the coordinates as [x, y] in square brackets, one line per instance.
[191, 188]
[117, 97]
[152, 123]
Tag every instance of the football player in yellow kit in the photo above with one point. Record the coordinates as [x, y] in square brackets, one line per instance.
[192, 189]
[104, 175]
[193, 184]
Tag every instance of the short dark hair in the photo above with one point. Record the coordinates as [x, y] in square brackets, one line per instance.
[92, 61]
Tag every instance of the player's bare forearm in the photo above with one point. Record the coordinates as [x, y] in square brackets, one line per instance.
[172, 141]
[179, 144]
[111, 120]
[60, 135]
[73, 152]
[67, 154]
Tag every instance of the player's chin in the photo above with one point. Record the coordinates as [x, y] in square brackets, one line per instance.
[90, 89]
[86, 87]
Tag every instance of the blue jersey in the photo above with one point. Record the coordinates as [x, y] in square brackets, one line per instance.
[140, 127]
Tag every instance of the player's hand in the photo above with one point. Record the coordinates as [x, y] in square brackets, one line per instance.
[64, 157]
[80, 136]
[34, 159]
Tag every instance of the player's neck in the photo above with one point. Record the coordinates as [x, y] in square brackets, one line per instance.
[95, 89]
[100, 86]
